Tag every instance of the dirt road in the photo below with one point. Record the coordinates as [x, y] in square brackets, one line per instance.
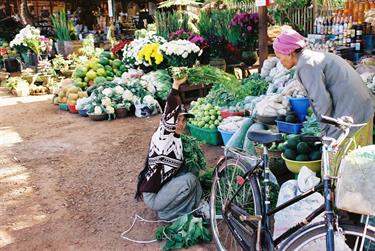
[67, 183]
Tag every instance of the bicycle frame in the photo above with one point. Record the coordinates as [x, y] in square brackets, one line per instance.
[326, 187]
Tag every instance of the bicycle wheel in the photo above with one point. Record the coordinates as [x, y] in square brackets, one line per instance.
[224, 185]
[313, 237]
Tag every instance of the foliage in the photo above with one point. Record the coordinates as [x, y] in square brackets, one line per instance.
[254, 86]
[194, 159]
[186, 231]
[215, 23]
[311, 126]
[60, 23]
[168, 22]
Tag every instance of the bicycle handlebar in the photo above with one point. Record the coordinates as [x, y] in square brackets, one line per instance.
[343, 122]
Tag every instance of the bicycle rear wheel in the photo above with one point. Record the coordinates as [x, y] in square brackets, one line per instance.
[313, 237]
[229, 232]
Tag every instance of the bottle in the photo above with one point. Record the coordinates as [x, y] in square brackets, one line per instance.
[353, 35]
[358, 38]
[315, 30]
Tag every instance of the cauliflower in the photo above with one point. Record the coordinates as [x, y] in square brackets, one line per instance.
[98, 110]
[106, 101]
[107, 92]
[128, 95]
[110, 110]
[119, 90]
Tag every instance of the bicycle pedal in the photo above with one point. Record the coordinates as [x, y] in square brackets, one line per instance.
[250, 217]
[240, 180]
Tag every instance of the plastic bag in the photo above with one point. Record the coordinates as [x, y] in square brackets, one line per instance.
[143, 110]
[237, 140]
[355, 185]
[293, 214]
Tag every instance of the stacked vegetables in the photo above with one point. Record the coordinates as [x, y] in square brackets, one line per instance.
[206, 115]
[295, 149]
[98, 70]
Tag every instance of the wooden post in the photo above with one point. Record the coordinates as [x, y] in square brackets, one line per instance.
[263, 41]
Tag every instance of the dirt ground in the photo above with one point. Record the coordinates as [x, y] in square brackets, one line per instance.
[67, 183]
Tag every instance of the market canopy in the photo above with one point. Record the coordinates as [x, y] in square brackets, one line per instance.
[170, 3]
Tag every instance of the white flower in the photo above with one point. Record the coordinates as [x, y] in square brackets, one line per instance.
[110, 110]
[97, 110]
[127, 95]
[185, 54]
[107, 91]
[106, 101]
[119, 90]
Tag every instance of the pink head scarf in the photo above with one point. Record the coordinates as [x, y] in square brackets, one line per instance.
[288, 41]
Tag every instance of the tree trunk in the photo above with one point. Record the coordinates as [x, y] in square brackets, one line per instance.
[263, 41]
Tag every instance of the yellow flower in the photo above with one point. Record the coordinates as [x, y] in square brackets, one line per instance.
[150, 52]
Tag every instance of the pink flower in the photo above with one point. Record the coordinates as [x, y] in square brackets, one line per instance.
[249, 28]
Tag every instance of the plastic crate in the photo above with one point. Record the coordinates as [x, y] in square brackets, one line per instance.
[226, 136]
[210, 136]
[289, 127]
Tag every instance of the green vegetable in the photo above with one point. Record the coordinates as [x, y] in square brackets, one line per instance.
[311, 126]
[100, 80]
[60, 23]
[303, 148]
[186, 231]
[254, 86]
[194, 159]
[302, 157]
[290, 154]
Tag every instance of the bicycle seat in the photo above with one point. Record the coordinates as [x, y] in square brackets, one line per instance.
[264, 137]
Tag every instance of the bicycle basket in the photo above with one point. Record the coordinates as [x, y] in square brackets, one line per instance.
[355, 184]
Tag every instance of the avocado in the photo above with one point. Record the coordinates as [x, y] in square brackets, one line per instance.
[281, 118]
[302, 157]
[292, 143]
[291, 119]
[303, 148]
[290, 113]
[315, 155]
[290, 154]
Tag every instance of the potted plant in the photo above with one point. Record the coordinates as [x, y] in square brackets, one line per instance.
[30, 44]
[217, 49]
[64, 29]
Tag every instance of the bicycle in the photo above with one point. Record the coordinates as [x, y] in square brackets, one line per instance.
[240, 207]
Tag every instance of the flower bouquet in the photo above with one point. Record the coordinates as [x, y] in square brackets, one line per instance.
[117, 49]
[150, 55]
[30, 38]
[180, 53]
[131, 50]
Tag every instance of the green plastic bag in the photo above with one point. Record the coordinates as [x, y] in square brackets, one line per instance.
[238, 138]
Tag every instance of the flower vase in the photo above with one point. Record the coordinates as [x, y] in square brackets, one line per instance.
[12, 65]
[34, 59]
[249, 57]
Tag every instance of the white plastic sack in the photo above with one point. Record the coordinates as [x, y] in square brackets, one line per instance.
[355, 185]
[293, 214]
[143, 110]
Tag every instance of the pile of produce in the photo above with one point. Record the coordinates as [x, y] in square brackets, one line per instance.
[159, 83]
[289, 117]
[18, 86]
[69, 94]
[98, 70]
[254, 85]
[231, 124]
[205, 115]
[272, 106]
[296, 150]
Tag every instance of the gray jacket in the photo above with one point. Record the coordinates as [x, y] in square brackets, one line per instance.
[334, 88]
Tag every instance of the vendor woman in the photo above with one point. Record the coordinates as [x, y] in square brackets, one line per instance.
[333, 86]
[163, 184]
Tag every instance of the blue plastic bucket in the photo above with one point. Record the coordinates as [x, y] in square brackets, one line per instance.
[299, 105]
[225, 136]
[301, 117]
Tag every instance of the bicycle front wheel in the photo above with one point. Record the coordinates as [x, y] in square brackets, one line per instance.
[229, 232]
[347, 237]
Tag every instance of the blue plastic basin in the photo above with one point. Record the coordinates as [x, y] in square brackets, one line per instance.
[299, 105]
[225, 136]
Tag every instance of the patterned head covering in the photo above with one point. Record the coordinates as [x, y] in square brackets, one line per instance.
[288, 41]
